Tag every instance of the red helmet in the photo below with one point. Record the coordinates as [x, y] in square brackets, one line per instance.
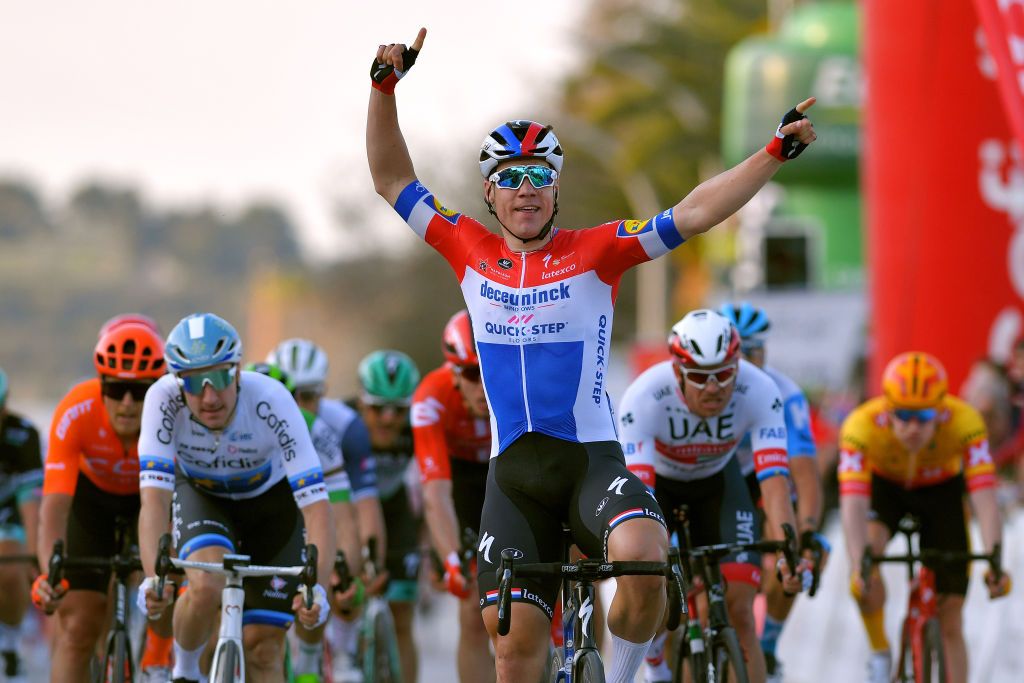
[125, 318]
[130, 351]
[457, 341]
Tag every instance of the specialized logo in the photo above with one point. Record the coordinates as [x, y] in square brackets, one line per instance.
[634, 228]
[617, 485]
[485, 546]
[586, 611]
[505, 263]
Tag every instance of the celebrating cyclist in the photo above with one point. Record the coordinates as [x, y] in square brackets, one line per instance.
[752, 323]
[306, 365]
[540, 300]
[91, 479]
[916, 449]
[234, 451]
[452, 434]
[681, 426]
[21, 478]
[387, 380]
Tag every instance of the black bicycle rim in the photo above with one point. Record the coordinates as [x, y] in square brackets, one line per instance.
[227, 665]
[589, 667]
[690, 666]
[386, 667]
[555, 664]
[905, 670]
[728, 657]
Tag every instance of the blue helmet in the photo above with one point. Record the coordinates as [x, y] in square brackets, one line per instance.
[202, 340]
[748, 319]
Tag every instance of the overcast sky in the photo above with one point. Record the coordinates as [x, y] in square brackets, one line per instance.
[229, 100]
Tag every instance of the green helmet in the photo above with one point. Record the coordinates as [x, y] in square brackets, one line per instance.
[388, 377]
[271, 370]
[3, 388]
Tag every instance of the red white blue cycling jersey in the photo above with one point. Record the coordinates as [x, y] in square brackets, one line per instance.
[660, 435]
[543, 319]
[266, 441]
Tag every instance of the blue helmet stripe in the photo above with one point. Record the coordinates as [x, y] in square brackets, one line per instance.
[513, 142]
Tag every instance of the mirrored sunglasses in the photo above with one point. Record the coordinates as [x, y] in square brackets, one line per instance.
[116, 390]
[722, 376]
[921, 415]
[511, 177]
[219, 379]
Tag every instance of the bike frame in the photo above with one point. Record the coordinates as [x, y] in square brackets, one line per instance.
[922, 605]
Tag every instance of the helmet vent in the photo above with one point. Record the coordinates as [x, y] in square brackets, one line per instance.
[696, 347]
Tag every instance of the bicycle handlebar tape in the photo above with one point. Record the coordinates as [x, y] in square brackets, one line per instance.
[505, 592]
[341, 569]
[163, 562]
[309, 573]
[55, 571]
[786, 147]
[385, 77]
[673, 583]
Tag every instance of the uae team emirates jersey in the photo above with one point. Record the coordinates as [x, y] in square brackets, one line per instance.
[543, 319]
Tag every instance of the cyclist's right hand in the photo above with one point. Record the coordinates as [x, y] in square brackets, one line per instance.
[149, 602]
[393, 62]
[998, 587]
[46, 597]
[454, 579]
[858, 587]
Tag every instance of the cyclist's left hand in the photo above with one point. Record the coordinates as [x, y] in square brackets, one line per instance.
[317, 616]
[814, 549]
[998, 588]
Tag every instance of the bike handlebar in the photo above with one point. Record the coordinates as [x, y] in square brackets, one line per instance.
[59, 562]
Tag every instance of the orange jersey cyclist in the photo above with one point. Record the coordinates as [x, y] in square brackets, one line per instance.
[916, 449]
[452, 440]
[542, 332]
[91, 480]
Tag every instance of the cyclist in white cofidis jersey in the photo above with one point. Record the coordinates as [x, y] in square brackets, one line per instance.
[540, 299]
[681, 424]
[235, 452]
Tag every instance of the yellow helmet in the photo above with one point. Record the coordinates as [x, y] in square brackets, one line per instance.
[915, 379]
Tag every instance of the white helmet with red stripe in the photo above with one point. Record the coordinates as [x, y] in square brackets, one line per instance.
[702, 339]
[520, 139]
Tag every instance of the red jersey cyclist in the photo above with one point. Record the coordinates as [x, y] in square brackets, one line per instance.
[452, 441]
[91, 478]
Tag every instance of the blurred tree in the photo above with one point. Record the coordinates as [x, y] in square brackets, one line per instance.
[21, 211]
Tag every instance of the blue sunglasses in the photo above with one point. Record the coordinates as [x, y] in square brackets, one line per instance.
[511, 177]
[220, 379]
[921, 415]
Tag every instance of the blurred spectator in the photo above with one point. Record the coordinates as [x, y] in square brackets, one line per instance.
[1015, 373]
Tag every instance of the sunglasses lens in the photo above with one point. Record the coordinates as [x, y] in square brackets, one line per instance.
[470, 373]
[908, 415]
[511, 178]
[117, 390]
[218, 379]
[699, 378]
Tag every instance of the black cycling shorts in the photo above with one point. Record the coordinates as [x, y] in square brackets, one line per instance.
[469, 482]
[268, 528]
[403, 553]
[719, 510]
[91, 527]
[940, 508]
[540, 483]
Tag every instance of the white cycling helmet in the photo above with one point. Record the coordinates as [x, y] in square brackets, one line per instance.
[520, 139]
[704, 339]
[304, 362]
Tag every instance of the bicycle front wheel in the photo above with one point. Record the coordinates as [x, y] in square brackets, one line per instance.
[691, 661]
[933, 664]
[379, 647]
[556, 663]
[117, 665]
[228, 665]
[589, 667]
[727, 657]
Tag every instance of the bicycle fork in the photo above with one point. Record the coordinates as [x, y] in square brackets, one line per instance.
[577, 629]
[232, 600]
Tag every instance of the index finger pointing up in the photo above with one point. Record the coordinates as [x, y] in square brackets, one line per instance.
[803, 106]
[418, 43]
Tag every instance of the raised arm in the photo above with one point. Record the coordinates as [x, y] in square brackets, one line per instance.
[390, 163]
[719, 197]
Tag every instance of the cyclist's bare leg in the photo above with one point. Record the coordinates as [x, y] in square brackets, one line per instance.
[196, 611]
[264, 653]
[14, 585]
[639, 603]
[872, 600]
[78, 626]
[403, 613]
[739, 600]
[523, 653]
[476, 665]
[952, 627]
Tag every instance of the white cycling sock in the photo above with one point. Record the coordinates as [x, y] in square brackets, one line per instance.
[309, 658]
[626, 659]
[342, 635]
[186, 662]
[656, 665]
[9, 637]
